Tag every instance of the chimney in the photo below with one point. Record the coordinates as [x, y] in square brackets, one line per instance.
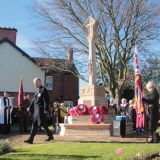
[9, 33]
[70, 55]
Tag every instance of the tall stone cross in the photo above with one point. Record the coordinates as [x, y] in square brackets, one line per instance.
[91, 29]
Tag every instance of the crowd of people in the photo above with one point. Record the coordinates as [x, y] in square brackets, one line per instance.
[39, 110]
[57, 111]
[126, 109]
[151, 109]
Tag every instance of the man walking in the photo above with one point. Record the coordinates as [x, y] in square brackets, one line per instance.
[40, 109]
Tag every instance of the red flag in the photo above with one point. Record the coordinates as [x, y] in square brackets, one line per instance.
[20, 93]
[138, 93]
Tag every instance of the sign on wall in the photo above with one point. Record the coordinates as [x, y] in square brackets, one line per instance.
[49, 83]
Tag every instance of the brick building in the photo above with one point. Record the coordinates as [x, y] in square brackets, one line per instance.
[14, 62]
[62, 84]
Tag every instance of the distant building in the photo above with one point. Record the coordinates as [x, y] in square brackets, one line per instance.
[61, 84]
[14, 63]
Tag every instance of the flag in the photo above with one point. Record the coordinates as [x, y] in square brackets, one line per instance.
[138, 92]
[20, 93]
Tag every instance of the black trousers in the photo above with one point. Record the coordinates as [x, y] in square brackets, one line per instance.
[24, 119]
[39, 119]
[153, 125]
[133, 113]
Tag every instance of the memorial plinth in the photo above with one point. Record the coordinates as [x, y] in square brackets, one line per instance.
[92, 95]
[82, 126]
[85, 129]
[108, 119]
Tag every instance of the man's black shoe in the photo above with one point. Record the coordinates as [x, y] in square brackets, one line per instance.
[50, 138]
[28, 141]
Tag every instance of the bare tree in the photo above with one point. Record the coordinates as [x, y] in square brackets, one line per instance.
[121, 25]
[151, 69]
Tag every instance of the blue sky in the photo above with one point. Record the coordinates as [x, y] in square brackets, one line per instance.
[19, 14]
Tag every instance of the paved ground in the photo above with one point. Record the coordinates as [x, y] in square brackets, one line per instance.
[18, 139]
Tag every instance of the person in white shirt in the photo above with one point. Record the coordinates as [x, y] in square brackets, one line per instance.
[6, 110]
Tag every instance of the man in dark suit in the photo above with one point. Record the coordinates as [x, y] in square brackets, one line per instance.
[40, 110]
[152, 101]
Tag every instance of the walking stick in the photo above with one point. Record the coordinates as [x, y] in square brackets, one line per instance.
[145, 124]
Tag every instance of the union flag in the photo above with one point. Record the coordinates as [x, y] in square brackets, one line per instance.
[138, 92]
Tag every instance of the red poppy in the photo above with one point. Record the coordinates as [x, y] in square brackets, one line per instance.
[96, 118]
[82, 109]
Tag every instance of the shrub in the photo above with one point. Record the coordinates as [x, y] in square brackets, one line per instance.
[5, 146]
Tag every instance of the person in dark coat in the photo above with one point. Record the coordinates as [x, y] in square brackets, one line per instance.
[152, 101]
[24, 116]
[40, 110]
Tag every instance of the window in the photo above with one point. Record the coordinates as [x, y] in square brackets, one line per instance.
[49, 82]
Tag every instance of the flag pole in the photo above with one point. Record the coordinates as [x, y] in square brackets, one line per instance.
[145, 116]
[141, 121]
[145, 124]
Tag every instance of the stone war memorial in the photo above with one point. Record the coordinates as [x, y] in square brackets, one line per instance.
[90, 95]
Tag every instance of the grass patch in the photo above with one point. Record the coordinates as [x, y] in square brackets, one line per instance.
[5, 146]
[80, 151]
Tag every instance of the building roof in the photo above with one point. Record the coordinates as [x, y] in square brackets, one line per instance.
[19, 49]
[57, 65]
[47, 64]
[7, 28]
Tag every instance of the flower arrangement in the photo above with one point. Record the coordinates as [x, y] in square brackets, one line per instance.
[73, 111]
[96, 118]
[95, 112]
[82, 109]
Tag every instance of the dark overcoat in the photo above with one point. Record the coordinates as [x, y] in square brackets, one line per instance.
[39, 105]
[152, 100]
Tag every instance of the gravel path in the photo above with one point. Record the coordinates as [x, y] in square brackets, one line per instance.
[18, 139]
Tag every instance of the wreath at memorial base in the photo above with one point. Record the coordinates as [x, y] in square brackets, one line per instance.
[93, 110]
[103, 109]
[73, 111]
[96, 118]
[82, 109]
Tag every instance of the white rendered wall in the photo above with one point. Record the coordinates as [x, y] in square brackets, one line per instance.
[12, 66]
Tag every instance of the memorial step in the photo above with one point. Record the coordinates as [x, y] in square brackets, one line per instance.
[90, 129]
[84, 129]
